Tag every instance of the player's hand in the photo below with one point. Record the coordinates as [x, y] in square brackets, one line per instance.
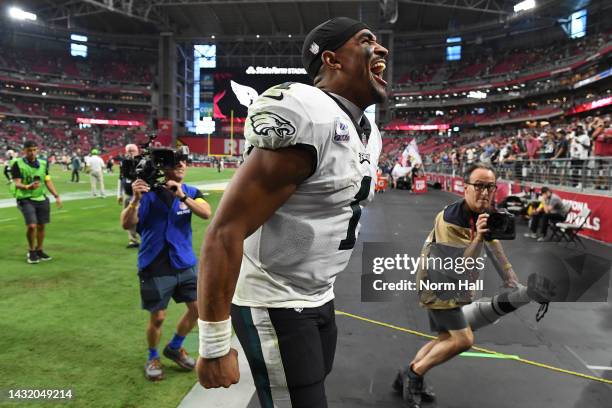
[139, 187]
[34, 185]
[119, 200]
[218, 372]
[481, 226]
[58, 202]
[176, 188]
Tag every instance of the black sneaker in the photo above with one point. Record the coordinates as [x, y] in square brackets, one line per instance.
[427, 392]
[412, 389]
[32, 257]
[42, 256]
[180, 357]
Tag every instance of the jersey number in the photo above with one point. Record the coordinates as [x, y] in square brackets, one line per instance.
[362, 194]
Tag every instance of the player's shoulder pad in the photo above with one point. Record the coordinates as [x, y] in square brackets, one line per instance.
[281, 117]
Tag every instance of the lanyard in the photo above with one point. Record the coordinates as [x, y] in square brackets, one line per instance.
[472, 228]
[363, 131]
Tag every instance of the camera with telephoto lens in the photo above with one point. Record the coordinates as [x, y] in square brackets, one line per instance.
[150, 164]
[501, 225]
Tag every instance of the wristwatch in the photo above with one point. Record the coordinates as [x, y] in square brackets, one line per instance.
[184, 198]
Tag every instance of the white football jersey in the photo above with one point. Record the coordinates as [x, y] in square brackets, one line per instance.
[292, 260]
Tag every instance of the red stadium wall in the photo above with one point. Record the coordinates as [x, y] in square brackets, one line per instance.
[199, 145]
[597, 226]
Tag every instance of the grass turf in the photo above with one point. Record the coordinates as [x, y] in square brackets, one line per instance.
[75, 322]
[61, 179]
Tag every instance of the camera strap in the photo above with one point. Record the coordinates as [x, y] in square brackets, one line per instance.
[472, 228]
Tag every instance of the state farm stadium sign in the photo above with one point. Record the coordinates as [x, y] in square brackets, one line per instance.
[275, 71]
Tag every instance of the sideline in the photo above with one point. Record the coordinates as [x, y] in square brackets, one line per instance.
[83, 195]
[483, 350]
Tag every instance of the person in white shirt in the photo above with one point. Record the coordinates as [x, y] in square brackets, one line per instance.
[470, 155]
[579, 152]
[95, 165]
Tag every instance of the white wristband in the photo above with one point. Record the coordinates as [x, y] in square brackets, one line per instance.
[215, 338]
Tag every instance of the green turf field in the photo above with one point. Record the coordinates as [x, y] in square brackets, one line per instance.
[75, 322]
[61, 179]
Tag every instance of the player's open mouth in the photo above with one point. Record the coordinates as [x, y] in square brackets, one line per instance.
[377, 69]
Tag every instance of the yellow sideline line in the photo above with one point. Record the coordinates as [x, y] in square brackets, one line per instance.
[522, 360]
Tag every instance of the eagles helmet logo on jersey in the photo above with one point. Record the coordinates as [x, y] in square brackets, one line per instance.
[269, 124]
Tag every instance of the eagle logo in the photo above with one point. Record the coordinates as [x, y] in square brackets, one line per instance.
[271, 124]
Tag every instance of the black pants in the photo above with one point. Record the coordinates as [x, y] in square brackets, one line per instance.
[290, 352]
[542, 219]
[75, 176]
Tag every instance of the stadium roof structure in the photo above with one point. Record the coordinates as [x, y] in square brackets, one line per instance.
[234, 19]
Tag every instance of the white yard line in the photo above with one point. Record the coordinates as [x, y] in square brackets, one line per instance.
[83, 195]
[92, 206]
[600, 368]
[572, 352]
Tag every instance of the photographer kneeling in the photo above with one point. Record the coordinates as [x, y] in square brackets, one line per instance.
[166, 263]
[461, 225]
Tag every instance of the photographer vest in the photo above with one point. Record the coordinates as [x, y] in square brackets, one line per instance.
[28, 173]
[161, 226]
[454, 226]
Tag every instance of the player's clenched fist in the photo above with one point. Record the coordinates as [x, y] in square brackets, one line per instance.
[218, 372]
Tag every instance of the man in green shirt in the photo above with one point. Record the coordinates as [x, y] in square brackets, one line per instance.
[32, 181]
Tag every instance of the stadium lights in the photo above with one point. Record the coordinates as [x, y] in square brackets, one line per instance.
[19, 14]
[78, 37]
[524, 6]
[212, 36]
[477, 95]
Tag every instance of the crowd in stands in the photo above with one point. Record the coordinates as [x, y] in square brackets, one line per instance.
[571, 144]
[115, 68]
[72, 110]
[57, 140]
[489, 62]
[497, 112]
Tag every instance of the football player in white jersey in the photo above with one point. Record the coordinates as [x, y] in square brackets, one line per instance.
[288, 221]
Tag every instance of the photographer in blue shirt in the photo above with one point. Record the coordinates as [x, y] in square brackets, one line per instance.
[166, 262]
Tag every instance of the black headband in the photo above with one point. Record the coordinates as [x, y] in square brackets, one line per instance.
[328, 36]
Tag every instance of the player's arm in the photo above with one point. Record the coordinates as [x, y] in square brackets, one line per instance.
[262, 184]
[265, 181]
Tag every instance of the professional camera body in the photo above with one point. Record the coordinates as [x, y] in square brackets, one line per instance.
[150, 164]
[501, 225]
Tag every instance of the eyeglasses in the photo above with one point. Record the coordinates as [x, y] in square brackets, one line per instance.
[480, 187]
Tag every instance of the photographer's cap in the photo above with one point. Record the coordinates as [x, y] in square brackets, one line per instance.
[328, 36]
[95, 151]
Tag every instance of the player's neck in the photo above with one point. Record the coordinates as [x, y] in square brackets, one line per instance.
[344, 91]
